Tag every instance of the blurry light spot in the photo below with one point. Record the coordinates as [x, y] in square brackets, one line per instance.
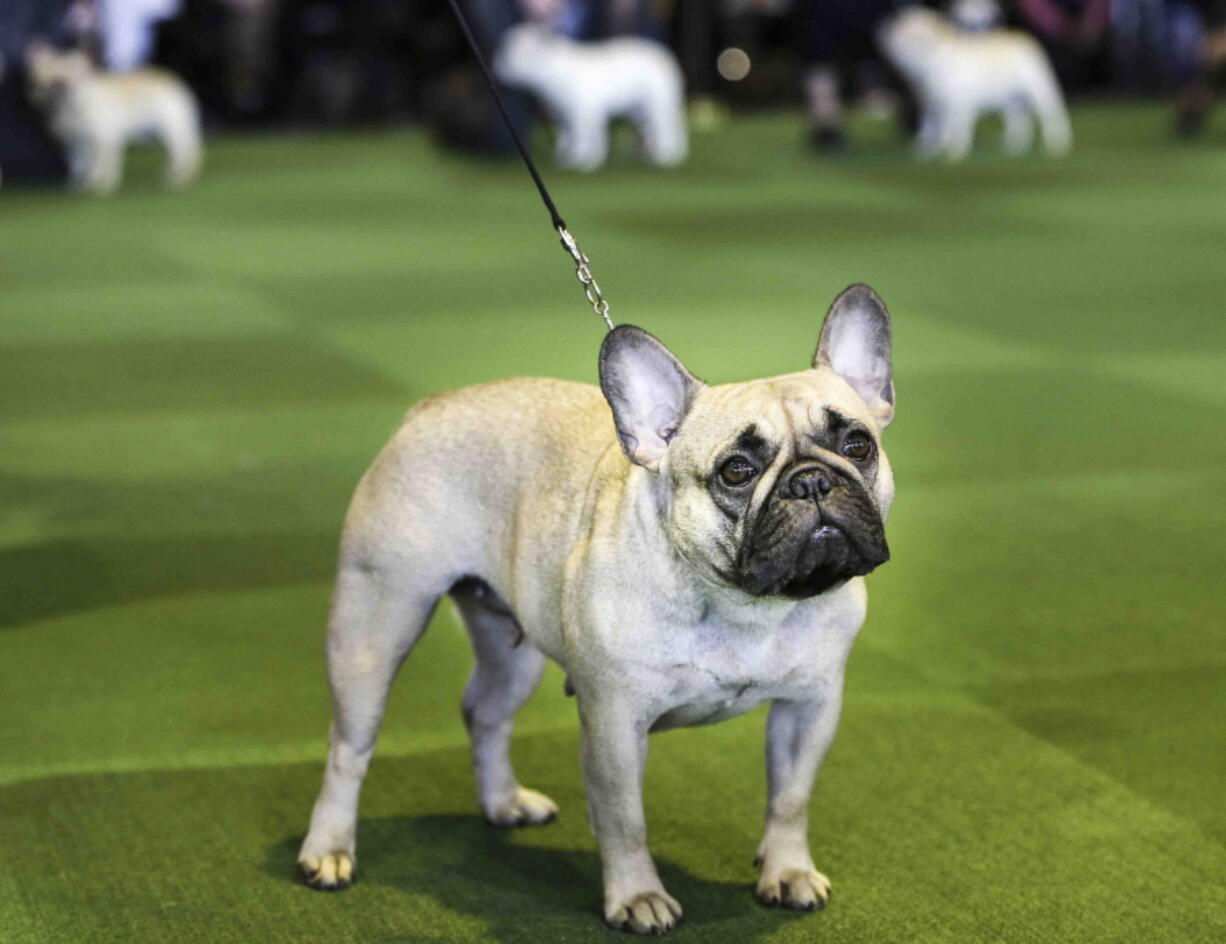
[733, 64]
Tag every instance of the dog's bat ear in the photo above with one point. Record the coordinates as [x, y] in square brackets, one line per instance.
[648, 390]
[855, 344]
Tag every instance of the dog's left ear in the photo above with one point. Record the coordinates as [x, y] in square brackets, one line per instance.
[855, 344]
[649, 391]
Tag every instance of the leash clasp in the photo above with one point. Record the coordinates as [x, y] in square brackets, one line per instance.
[584, 274]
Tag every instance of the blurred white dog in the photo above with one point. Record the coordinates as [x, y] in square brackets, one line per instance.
[97, 114]
[958, 76]
[585, 85]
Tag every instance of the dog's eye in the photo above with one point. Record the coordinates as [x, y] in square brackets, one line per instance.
[737, 471]
[858, 447]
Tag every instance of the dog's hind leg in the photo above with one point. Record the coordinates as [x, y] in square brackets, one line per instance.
[931, 130]
[583, 142]
[105, 166]
[378, 614]
[660, 122]
[80, 160]
[181, 136]
[1048, 103]
[184, 153]
[506, 673]
[1019, 129]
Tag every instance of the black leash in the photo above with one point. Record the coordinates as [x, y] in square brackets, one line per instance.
[582, 272]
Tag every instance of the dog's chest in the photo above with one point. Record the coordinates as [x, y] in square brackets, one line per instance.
[716, 700]
[720, 672]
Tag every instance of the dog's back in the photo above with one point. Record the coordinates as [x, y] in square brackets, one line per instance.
[97, 114]
[482, 448]
[153, 103]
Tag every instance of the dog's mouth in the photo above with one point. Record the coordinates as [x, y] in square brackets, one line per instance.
[801, 548]
[827, 559]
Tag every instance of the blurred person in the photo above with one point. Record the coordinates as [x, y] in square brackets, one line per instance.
[694, 30]
[3, 65]
[958, 76]
[250, 38]
[757, 49]
[457, 103]
[1199, 53]
[338, 62]
[97, 114]
[127, 29]
[23, 20]
[1073, 33]
[27, 149]
[837, 36]
[1140, 35]
[596, 19]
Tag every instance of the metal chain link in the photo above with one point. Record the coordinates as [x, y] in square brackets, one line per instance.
[584, 274]
[582, 266]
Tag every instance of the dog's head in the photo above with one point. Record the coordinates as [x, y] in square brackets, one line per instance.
[909, 37]
[523, 52]
[50, 72]
[779, 486]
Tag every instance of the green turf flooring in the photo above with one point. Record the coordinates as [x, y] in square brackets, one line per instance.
[1034, 740]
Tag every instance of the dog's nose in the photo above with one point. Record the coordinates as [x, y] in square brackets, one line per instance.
[810, 482]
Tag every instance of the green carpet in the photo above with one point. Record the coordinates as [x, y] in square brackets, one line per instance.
[1034, 742]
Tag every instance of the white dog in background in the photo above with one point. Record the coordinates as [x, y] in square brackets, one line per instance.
[97, 114]
[957, 76]
[585, 85]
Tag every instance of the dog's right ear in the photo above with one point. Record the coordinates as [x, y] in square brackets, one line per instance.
[855, 343]
[649, 391]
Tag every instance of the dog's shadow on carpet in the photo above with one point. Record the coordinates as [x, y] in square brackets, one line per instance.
[516, 883]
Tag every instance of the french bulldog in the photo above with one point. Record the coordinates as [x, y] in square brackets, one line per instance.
[695, 553]
[958, 76]
[96, 115]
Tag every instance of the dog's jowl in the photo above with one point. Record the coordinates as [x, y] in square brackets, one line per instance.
[683, 551]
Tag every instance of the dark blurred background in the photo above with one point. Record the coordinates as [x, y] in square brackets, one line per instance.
[279, 63]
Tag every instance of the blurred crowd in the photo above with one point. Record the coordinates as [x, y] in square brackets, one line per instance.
[340, 62]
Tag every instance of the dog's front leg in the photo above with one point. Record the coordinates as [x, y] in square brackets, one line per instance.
[958, 129]
[928, 138]
[79, 161]
[798, 734]
[614, 748]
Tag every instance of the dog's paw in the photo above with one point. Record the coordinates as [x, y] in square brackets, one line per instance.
[645, 913]
[327, 873]
[802, 889]
[526, 808]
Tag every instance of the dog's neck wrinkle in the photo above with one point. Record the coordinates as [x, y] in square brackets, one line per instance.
[651, 502]
[686, 583]
[709, 599]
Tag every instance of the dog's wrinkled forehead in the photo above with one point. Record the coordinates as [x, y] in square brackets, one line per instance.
[772, 414]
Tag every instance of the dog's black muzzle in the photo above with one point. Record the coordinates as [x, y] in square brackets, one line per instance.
[819, 528]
